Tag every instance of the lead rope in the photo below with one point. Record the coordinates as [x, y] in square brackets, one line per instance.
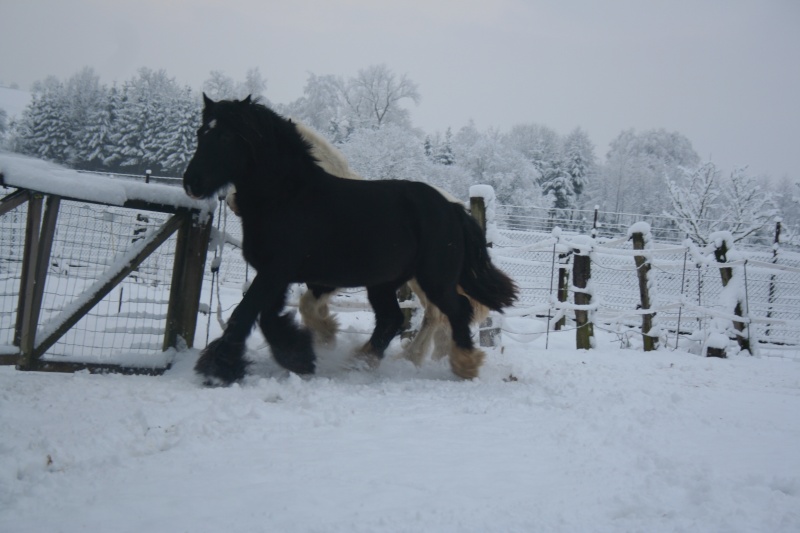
[215, 271]
[220, 320]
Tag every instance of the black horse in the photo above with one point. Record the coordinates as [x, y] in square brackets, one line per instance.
[303, 225]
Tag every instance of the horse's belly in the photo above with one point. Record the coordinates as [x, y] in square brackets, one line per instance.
[342, 268]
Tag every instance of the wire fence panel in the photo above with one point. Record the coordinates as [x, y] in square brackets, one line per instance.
[12, 244]
[687, 294]
[131, 319]
[127, 324]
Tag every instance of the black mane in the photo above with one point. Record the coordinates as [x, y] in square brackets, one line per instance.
[273, 138]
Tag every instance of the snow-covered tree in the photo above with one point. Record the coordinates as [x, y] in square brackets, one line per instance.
[704, 203]
[336, 107]
[388, 152]
[97, 138]
[44, 129]
[632, 179]
[86, 97]
[540, 145]
[3, 126]
[695, 201]
[175, 140]
[786, 194]
[490, 159]
[253, 85]
[143, 118]
[375, 95]
[749, 207]
[219, 86]
[579, 160]
[558, 182]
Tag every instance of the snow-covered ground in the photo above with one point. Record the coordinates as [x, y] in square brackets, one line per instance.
[545, 440]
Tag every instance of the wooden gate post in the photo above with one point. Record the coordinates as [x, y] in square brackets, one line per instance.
[643, 272]
[187, 280]
[563, 286]
[38, 244]
[581, 274]
[489, 335]
[726, 273]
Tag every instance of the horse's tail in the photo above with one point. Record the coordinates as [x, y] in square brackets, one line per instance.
[480, 279]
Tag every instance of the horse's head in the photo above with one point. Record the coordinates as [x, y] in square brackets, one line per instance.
[223, 152]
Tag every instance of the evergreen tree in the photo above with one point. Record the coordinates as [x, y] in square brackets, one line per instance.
[44, 129]
[579, 160]
[96, 141]
[558, 182]
[444, 151]
[176, 140]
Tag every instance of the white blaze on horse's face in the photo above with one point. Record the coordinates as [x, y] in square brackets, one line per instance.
[210, 126]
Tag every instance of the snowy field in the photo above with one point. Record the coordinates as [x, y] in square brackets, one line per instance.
[545, 440]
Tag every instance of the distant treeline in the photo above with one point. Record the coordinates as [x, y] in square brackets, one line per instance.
[148, 122]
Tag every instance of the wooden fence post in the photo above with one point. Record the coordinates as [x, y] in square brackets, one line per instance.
[489, 335]
[187, 279]
[563, 286]
[772, 291]
[726, 273]
[581, 274]
[643, 273]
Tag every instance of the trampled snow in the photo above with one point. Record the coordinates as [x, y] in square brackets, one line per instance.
[545, 440]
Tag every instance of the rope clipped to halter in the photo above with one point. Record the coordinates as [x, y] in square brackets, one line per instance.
[215, 264]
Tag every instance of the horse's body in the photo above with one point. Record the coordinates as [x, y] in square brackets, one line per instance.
[434, 332]
[303, 225]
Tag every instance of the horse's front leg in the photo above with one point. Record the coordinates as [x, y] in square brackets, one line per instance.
[222, 361]
[291, 346]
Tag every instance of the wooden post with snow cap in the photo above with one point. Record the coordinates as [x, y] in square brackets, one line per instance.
[640, 234]
[721, 242]
[481, 203]
[581, 274]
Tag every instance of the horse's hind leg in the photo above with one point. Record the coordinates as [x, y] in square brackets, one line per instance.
[465, 359]
[316, 314]
[388, 318]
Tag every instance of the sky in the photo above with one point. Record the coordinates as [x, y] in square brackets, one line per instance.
[724, 73]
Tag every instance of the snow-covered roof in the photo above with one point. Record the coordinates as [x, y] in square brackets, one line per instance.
[49, 178]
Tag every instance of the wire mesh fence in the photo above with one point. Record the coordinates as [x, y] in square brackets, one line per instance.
[687, 293]
[89, 239]
[686, 289]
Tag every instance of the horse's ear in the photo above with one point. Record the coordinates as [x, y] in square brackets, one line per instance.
[248, 99]
[207, 102]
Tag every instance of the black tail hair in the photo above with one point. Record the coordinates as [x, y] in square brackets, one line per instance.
[480, 279]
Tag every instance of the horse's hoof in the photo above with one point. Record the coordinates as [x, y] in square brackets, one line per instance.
[365, 358]
[466, 363]
[222, 363]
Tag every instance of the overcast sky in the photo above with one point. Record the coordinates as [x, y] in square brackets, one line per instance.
[725, 73]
